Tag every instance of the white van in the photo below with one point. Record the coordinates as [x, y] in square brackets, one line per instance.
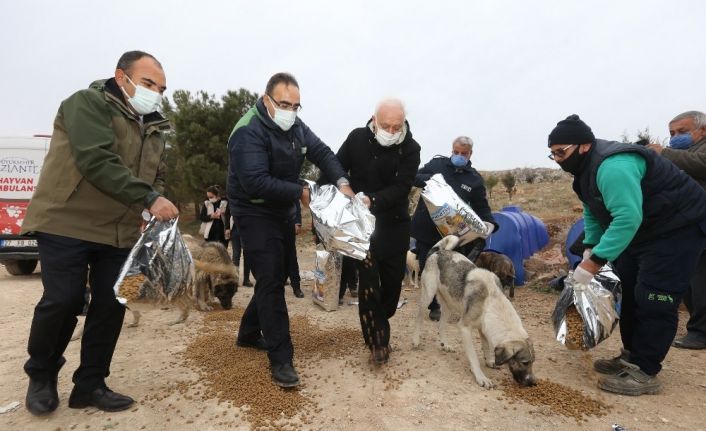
[21, 160]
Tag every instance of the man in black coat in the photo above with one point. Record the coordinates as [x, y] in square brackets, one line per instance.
[381, 160]
[468, 185]
[267, 148]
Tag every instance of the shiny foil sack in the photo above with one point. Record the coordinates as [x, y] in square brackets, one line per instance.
[327, 279]
[159, 267]
[342, 224]
[451, 215]
[598, 308]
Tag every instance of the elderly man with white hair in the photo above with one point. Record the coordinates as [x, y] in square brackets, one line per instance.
[468, 185]
[381, 160]
[687, 150]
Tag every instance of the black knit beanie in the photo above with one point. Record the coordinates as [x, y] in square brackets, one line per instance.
[572, 130]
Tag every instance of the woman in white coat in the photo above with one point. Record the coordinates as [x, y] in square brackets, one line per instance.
[215, 217]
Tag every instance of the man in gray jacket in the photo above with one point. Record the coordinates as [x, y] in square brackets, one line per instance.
[687, 150]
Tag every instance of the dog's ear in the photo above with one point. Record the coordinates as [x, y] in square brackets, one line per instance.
[508, 350]
[503, 353]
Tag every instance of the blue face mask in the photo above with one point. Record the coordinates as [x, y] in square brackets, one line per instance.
[458, 160]
[681, 142]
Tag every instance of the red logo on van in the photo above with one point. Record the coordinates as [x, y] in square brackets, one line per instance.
[11, 216]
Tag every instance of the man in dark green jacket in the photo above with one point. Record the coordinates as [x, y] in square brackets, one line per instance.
[105, 165]
[648, 218]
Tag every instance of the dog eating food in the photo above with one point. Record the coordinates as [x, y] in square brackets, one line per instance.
[475, 295]
[215, 274]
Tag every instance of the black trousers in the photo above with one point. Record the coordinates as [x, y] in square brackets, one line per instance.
[293, 265]
[237, 249]
[349, 276]
[695, 301]
[655, 276]
[65, 264]
[267, 242]
[380, 284]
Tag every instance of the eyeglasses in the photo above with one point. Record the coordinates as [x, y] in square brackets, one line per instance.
[286, 105]
[560, 153]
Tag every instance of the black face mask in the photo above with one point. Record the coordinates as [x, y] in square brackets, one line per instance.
[572, 164]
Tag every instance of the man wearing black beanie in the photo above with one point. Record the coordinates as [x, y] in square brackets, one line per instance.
[648, 218]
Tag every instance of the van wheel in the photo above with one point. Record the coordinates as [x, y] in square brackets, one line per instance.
[20, 267]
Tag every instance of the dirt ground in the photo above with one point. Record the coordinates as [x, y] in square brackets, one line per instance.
[432, 389]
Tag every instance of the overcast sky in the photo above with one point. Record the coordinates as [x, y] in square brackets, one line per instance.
[501, 72]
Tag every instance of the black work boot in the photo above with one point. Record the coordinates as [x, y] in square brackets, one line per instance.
[101, 398]
[284, 375]
[42, 397]
[614, 365]
[298, 291]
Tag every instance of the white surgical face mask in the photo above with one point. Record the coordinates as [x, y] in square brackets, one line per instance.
[386, 138]
[145, 101]
[283, 118]
[213, 200]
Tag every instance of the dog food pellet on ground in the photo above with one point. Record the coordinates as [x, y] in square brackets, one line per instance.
[574, 329]
[558, 398]
[241, 376]
[130, 287]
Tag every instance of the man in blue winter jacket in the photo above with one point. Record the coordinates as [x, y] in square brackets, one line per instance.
[267, 148]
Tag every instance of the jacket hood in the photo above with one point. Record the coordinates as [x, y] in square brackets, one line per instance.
[406, 133]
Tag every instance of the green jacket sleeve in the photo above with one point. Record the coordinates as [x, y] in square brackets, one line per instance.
[87, 119]
[618, 180]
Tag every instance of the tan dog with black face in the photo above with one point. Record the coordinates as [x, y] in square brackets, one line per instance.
[474, 297]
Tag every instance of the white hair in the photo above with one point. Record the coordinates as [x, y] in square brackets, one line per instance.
[698, 117]
[464, 141]
[391, 102]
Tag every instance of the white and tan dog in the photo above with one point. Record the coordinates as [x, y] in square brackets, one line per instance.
[475, 297]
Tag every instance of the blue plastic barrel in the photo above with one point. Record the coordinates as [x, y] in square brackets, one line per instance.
[519, 237]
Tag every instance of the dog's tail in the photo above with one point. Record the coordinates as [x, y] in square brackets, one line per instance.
[216, 268]
[449, 242]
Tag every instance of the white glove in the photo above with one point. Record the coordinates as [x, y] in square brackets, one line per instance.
[581, 276]
[490, 227]
[587, 253]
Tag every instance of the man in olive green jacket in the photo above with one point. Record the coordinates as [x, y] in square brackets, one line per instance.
[687, 150]
[105, 165]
